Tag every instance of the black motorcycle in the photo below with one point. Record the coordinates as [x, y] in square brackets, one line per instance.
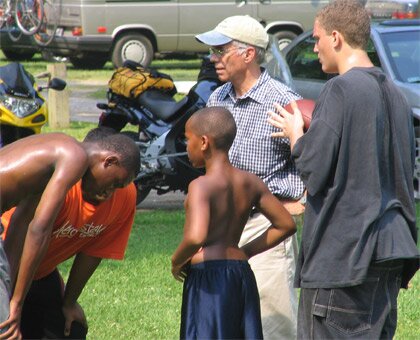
[161, 124]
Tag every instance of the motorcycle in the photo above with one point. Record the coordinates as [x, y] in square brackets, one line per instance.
[23, 110]
[161, 124]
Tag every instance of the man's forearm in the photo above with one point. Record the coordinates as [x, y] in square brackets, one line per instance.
[16, 234]
[36, 245]
[81, 271]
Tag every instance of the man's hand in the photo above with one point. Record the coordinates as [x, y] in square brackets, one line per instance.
[73, 312]
[12, 323]
[290, 124]
[180, 272]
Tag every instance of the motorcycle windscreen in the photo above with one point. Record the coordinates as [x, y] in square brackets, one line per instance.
[15, 80]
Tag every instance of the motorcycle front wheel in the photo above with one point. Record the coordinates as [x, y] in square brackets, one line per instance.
[142, 192]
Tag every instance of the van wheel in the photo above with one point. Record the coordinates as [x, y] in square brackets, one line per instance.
[284, 38]
[90, 62]
[134, 47]
[18, 55]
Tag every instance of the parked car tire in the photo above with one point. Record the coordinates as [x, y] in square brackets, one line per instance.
[90, 62]
[18, 55]
[284, 38]
[133, 46]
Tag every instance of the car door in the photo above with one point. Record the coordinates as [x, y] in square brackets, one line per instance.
[159, 17]
[196, 17]
[305, 68]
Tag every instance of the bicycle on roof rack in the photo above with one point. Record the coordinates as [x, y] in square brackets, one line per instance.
[37, 18]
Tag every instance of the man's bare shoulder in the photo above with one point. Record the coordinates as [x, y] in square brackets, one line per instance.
[52, 144]
[46, 139]
[28, 165]
[40, 155]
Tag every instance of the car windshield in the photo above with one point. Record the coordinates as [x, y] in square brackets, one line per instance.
[403, 51]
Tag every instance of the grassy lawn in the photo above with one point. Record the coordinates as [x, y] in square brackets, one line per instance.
[178, 69]
[138, 299]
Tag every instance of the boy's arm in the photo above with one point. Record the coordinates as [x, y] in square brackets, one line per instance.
[282, 226]
[66, 174]
[82, 269]
[197, 218]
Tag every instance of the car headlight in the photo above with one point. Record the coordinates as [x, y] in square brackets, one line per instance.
[21, 107]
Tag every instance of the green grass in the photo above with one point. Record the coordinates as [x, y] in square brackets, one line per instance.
[77, 129]
[178, 69]
[137, 298]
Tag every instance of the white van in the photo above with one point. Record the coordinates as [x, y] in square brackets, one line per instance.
[94, 31]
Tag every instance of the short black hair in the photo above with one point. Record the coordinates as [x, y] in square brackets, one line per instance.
[110, 140]
[99, 133]
[217, 122]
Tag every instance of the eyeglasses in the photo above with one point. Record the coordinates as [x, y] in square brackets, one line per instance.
[219, 52]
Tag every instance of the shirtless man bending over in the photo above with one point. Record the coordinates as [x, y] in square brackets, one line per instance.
[39, 170]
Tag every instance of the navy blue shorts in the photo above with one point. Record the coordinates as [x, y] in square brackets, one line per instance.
[221, 301]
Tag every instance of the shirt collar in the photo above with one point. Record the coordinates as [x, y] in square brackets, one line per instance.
[253, 92]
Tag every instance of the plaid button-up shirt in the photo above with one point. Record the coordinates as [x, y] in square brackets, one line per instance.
[254, 149]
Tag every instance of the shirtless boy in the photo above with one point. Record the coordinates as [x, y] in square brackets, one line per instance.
[39, 170]
[220, 298]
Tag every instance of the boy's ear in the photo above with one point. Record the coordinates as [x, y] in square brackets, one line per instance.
[111, 160]
[204, 142]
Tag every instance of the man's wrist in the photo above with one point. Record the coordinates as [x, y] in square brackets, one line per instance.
[68, 303]
[17, 301]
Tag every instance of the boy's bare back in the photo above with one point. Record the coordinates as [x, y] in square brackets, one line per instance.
[28, 165]
[219, 203]
[218, 206]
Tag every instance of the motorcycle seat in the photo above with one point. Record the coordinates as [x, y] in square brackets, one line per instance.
[163, 105]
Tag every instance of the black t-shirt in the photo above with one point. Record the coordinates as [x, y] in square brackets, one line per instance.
[357, 162]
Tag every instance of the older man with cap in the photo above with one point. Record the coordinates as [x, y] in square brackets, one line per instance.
[237, 48]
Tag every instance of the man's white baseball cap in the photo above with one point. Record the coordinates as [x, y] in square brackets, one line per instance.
[242, 28]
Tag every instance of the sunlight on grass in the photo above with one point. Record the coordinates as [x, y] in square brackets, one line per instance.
[77, 129]
[138, 299]
[179, 69]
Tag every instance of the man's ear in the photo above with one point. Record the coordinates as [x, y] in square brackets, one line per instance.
[249, 54]
[111, 160]
[204, 142]
[336, 38]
